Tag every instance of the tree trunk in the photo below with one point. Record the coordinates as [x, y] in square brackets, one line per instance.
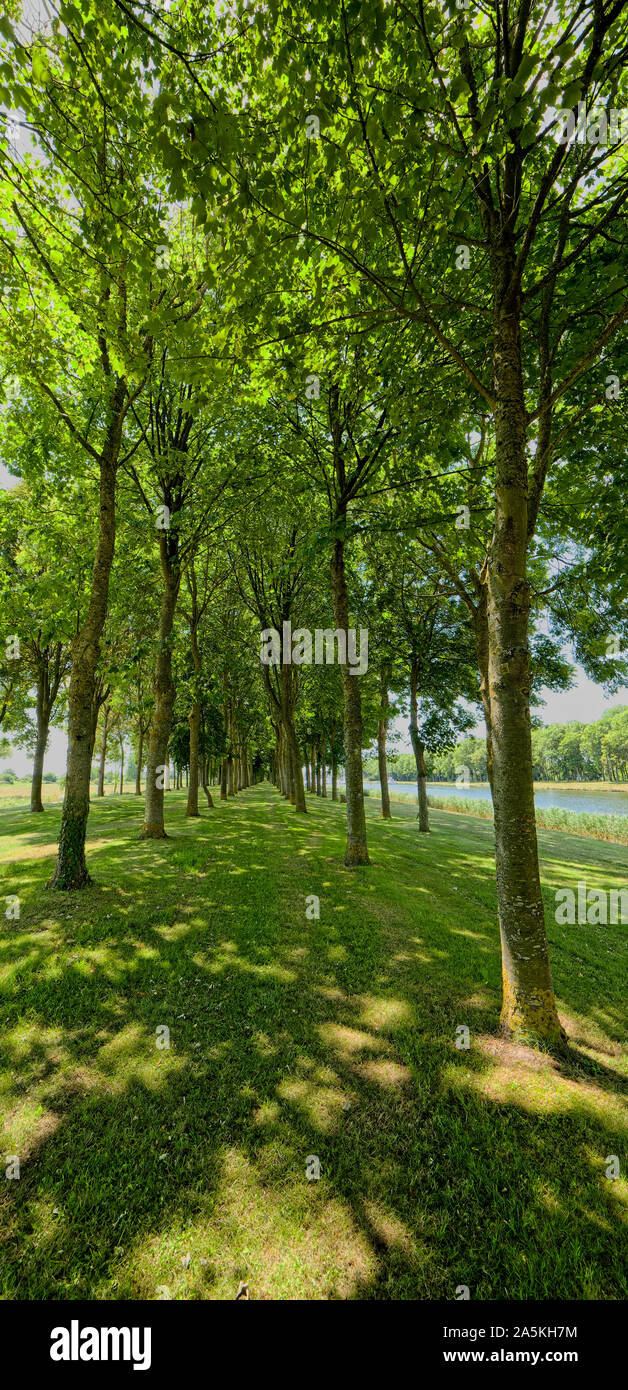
[418, 748]
[382, 732]
[138, 771]
[194, 720]
[528, 1004]
[38, 762]
[283, 764]
[100, 790]
[223, 780]
[324, 768]
[157, 770]
[121, 767]
[71, 869]
[356, 850]
[204, 776]
[480, 624]
[297, 770]
[334, 778]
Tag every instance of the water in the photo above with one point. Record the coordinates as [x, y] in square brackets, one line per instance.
[602, 802]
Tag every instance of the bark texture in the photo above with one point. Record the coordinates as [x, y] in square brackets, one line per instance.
[356, 851]
[164, 692]
[528, 1004]
[71, 868]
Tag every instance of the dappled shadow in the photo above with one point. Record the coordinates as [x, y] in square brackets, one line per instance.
[292, 1037]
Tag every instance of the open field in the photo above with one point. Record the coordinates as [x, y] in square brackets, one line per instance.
[291, 1039]
[19, 792]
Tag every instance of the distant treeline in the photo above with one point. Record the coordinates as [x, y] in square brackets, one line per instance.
[570, 752]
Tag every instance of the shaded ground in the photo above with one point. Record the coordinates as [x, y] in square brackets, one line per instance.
[293, 1039]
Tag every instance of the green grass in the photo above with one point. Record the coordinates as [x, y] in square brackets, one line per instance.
[14, 794]
[592, 825]
[293, 1037]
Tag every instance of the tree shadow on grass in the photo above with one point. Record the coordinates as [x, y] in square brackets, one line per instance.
[291, 1038]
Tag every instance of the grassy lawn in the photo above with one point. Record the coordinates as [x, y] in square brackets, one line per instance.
[185, 1167]
[16, 793]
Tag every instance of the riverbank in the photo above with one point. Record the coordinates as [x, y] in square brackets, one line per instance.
[586, 823]
[551, 786]
[576, 803]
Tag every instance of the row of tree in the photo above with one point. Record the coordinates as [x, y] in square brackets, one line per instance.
[309, 319]
[572, 752]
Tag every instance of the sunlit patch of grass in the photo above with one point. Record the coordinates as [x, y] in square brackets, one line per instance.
[292, 1038]
[529, 1079]
[308, 1247]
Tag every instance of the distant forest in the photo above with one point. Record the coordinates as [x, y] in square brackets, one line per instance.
[570, 752]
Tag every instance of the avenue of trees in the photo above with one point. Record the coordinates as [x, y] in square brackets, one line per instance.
[309, 317]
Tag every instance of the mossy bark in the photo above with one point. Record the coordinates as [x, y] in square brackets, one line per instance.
[528, 1004]
[164, 693]
[71, 869]
[356, 851]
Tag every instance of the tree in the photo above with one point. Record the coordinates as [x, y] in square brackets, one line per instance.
[396, 94]
[38, 602]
